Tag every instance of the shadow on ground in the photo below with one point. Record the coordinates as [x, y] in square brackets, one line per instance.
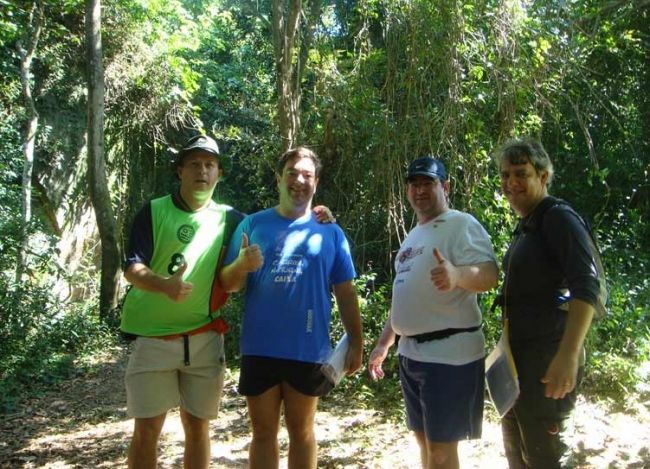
[82, 423]
[64, 423]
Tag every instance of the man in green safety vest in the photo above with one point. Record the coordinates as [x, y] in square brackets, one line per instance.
[172, 308]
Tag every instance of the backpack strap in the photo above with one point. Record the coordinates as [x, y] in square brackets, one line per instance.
[535, 225]
[218, 295]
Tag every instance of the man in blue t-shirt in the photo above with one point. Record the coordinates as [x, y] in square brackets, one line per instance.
[289, 262]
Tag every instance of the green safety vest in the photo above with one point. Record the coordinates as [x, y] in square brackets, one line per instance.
[178, 236]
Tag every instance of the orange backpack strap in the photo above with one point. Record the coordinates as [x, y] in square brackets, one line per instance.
[218, 295]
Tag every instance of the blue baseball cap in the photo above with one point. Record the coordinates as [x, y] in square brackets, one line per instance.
[427, 166]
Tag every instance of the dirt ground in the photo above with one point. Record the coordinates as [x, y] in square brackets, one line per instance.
[82, 423]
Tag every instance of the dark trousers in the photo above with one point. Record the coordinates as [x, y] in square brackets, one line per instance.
[535, 430]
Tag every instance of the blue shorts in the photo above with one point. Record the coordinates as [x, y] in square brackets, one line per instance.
[445, 402]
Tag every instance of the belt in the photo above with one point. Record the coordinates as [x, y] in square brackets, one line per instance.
[218, 325]
[442, 333]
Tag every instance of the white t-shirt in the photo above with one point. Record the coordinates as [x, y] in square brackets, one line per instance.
[419, 307]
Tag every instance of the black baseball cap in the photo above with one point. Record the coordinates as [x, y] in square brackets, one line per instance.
[427, 166]
[196, 143]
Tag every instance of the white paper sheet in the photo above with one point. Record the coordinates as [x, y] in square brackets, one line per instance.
[334, 367]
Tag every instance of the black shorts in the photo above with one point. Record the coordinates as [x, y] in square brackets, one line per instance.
[259, 374]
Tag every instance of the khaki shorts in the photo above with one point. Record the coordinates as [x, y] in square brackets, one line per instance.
[158, 380]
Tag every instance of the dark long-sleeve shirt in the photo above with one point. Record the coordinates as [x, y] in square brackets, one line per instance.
[548, 262]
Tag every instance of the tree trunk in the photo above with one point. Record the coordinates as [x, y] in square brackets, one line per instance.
[34, 27]
[454, 124]
[290, 65]
[97, 179]
[507, 52]
[284, 42]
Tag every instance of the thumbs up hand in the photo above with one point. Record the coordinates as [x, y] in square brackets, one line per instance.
[445, 274]
[250, 257]
[177, 289]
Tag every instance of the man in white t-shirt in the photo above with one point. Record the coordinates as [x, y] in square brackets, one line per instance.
[440, 267]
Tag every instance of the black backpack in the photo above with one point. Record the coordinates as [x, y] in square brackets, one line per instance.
[603, 294]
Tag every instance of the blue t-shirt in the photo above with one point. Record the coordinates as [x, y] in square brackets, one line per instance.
[288, 302]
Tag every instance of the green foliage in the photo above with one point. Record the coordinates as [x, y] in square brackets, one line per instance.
[609, 376]
[39, 340]
[374, 304]
[387, 81]
[384, 395]
[235, 61]
[232, 313]
[620, 342]
[384, 81]
[10, 195]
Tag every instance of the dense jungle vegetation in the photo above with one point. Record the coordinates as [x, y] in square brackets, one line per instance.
[369, 84]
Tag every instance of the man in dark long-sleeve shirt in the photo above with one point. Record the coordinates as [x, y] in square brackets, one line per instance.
[550, 291]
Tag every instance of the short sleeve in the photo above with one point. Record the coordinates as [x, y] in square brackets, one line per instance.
[235, 241]
[473, 244]
[141, 238]
[343, 267]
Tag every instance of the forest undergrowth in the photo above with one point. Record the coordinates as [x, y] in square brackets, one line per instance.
[81, 422]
